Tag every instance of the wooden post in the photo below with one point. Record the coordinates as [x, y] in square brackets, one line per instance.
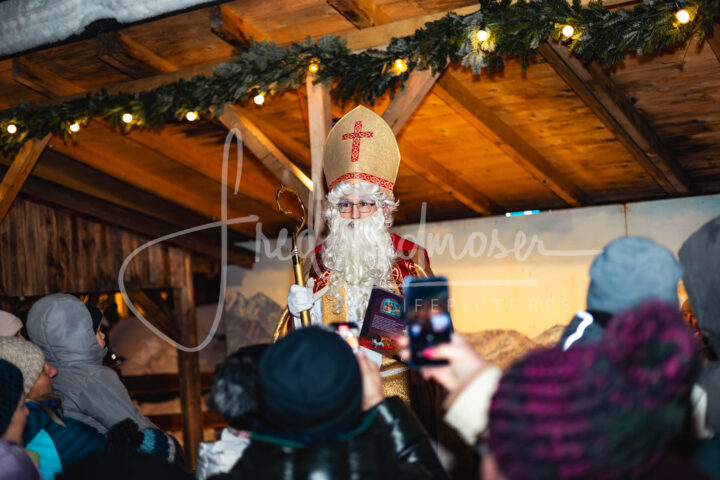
[188, 365]
[19, 171]
[320, 123]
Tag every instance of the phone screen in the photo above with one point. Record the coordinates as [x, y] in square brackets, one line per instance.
[350, 332]
[427, 317]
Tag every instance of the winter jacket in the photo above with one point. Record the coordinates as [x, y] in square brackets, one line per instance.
[58, 446]
[221, 456]
[15, 464]
[389, 444]
[700, 260]
[61, 326]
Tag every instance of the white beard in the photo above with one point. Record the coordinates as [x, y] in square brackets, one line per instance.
[360, 254]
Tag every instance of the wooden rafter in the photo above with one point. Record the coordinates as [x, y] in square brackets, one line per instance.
[132, 221]
[434, 171]
[41, 79]
[18, 172]
[232, 28]
[613, 107]
[409, 98]
[381, 34]
[73, 175]
[458, 97]
[120, 51]
[269, 155]
[357, 40]
[134, 171]
[297, 151]
[320, 123]
[361, 13]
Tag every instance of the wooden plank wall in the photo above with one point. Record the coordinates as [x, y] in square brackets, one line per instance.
[44, 250]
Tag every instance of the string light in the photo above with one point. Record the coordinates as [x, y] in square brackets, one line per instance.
[682, 16]
[313, 68]
[568, 31]
[11, 129]
[75, 127]
[127, 118]
[259, 99]
[191, 116]
[483, 35]
[399, 66]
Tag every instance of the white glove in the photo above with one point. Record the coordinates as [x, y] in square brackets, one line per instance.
[300, 298]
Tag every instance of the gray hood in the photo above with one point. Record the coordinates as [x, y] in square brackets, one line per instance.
[700, 259]
[61, 326]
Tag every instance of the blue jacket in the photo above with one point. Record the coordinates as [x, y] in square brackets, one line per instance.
[58, 446]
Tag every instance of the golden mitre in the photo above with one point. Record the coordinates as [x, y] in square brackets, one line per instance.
[361, 147]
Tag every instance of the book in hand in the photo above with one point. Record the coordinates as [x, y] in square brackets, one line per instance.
[384, 322]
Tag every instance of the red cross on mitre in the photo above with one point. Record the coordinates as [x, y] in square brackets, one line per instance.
[357, 135]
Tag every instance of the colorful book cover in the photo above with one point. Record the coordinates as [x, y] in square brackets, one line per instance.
[384, 322]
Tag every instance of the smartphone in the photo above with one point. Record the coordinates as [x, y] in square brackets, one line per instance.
[427, 317]
[350, 332]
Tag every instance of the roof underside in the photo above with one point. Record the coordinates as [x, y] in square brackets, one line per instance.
[535, 138]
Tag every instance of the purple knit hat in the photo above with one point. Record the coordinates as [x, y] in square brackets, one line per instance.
[600, 411]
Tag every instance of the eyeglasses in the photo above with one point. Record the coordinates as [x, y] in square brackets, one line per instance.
[364, 206]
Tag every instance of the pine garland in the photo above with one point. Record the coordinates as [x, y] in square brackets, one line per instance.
[514, 29]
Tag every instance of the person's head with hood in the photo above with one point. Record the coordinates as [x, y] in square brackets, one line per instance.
[37, 374]
[10, 325]
[63, 327]
[700, 259]
[236, 387]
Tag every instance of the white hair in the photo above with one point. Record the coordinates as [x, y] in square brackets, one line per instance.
[359, 252]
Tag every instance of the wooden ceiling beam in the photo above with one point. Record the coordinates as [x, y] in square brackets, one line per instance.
[269, 155]
[73, 175]
[361, 13]
[435, 172]
[41, 79]
[19, 171]
[132, 221]
[232, 28]
[382, 34]
[409, 98]
[133, 171]
[473, 110]
[296, 150]
[319, 125]
[120, 51]
[615, 109]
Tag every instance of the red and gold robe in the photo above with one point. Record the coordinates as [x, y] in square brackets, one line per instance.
[411, 261]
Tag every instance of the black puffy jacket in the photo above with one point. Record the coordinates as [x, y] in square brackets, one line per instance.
[390, 444]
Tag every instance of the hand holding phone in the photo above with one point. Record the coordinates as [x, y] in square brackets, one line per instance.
[427, 318]
[350, 332]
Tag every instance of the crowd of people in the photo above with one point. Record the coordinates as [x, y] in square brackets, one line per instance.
[631, 390]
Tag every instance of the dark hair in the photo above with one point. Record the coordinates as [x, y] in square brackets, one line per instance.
[235, 390]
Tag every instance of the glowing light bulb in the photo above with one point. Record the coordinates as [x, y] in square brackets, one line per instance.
[127, 118]
[399, 66]
[682, 16]
[191, 116]
[483, 35]
[11, 129]
[259, 99]
[568, 31]
[75, 127]
[314, 67]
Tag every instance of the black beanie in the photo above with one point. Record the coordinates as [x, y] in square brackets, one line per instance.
[11, 388]
[96, 316]
[310, 384]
